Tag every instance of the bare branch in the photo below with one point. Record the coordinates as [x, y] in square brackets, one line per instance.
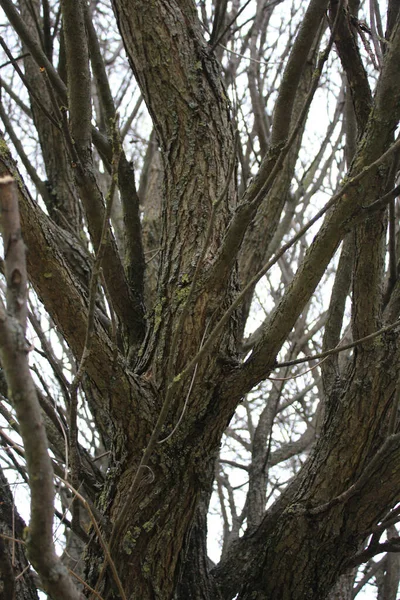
[14, 359]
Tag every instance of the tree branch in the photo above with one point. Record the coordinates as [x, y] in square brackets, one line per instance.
[66, 302]
[14, 358]
[346, 44]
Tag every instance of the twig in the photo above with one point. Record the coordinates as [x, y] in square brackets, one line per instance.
[231, 22]
[332, 351]
[26, 84]
[12, 445]
[383, 201]
[10, 62]
[48, 351]
[298, 374]
[361, 29]
[107, 555]
[253, 60]
[12, 539]
[32, 172]
[15, 98]
[86, 585]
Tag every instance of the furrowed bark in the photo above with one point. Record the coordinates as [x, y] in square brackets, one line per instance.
[188, 103]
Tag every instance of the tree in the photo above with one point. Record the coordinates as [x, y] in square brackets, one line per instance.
[158, 354]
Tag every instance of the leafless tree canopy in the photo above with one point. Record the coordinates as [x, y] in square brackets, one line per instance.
[200, 299]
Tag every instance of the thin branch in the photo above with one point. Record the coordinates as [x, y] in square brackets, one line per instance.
[392, 245]
[43, 62]
[48, 352]
[15, 364]
[105, 547]
[368, 575]
[233, 464]
[16, 98]
[383, 201]
[35, 18]
[231, 22]
[10, 62]
[99, 71]
[12, 539]
[253, 60]
[392, 545]
[270, 167]
[26, 84]
[391, 518]
[86, 585]
[250, 285]
[297, 374]
[336, 350]
[374, 32]
[78, 74]
[96, 272]
[39, 184]
[131, 117]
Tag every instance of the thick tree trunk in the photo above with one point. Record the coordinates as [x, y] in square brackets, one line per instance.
[187, 104]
